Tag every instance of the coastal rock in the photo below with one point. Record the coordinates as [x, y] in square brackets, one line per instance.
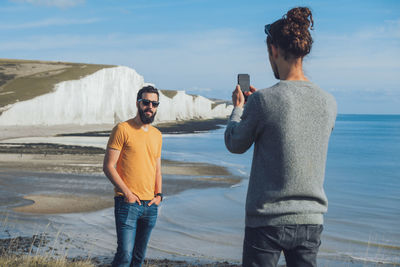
[107, 96]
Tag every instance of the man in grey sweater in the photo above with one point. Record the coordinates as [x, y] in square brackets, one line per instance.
[290, 124]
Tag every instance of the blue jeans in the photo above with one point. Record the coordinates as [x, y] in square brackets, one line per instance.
[299, 243]
[134, 223]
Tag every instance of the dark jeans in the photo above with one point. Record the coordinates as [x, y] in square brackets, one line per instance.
[299, 243]
[134, 223]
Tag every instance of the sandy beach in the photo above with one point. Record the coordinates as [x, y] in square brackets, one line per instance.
[13, 164]
[52, 204]
[75, 164]
[201, 219]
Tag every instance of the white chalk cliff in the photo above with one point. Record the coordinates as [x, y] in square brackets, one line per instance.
[107, 96]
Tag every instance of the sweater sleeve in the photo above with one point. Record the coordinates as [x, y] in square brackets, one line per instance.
[242, 125]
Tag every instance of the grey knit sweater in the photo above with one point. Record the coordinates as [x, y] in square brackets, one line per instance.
[290, 125]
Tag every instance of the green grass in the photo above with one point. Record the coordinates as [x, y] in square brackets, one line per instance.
[40, 261]
[169, 93]
[24, 88]
[213, 105]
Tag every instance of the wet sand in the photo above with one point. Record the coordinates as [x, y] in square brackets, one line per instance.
[52, 204]
[59, 173]
[8, 132]
[53, 164]
[53, 170]
[183, 127]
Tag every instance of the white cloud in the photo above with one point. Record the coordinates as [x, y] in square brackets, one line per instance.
[389, 30]
[193, 43]
[39, 44]
[358, 61]
[206, 63]
[210, 60]
[56, 3]
[179, 61]
[48, 23]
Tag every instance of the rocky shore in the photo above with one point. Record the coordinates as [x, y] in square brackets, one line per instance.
[34, 244]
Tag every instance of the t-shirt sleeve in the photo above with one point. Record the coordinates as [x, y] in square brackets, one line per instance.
[117, 138]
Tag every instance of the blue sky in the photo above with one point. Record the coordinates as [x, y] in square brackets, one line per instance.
[200, 45]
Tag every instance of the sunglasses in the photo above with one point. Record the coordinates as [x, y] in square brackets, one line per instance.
[267, 30]
[147, 102]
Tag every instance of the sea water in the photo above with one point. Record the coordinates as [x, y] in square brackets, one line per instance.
[363, 187]
[362, 184]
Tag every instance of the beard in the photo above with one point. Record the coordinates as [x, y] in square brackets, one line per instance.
[144, 118]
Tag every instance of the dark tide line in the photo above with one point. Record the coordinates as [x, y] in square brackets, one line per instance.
[178, 127]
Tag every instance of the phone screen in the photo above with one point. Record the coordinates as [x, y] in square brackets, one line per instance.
[244, 82]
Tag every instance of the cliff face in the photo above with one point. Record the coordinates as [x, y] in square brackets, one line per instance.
[22, 80]
[104, 97]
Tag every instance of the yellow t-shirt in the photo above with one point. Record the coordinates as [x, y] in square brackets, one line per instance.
[140, 150]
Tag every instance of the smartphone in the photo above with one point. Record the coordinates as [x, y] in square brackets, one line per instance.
[244, 82]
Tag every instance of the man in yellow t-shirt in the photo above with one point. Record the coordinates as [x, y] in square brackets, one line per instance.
[133, 164]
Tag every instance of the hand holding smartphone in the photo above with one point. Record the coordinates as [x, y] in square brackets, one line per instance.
[244, 82]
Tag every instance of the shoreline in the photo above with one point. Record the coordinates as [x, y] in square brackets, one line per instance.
[74, 168]
[176, 127]
[64, 161]
[87, 160]
[78, 171]
[75, 159]
[27, 246]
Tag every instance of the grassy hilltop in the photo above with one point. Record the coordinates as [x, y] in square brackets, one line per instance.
[22, 80]
[25, 79]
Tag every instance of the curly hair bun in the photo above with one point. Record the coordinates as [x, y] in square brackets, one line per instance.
[300, 17]
[291, 33]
